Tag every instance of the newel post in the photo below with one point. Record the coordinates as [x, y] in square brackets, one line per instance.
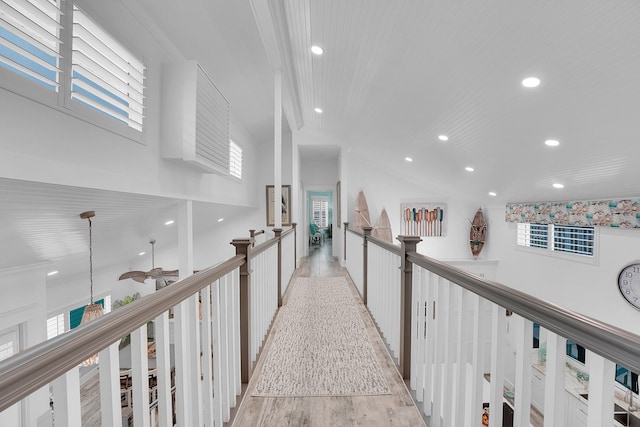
[242, 248]
[344, 253]
[278, 233]
[408, 244]
[365, 251]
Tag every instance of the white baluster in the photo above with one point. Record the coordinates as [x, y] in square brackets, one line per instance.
[554, 387]
[524, 342]
[163, 366]
[601, 388]
[140, 376]
[498, 324]
[218, 400]
[109, 371]
[66, 399]
[439, 343]
[430, 343]
[462, 337]
[449, 356]
[207, 368]
[479, 340]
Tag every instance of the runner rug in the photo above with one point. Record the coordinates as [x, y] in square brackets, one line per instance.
[321, 346]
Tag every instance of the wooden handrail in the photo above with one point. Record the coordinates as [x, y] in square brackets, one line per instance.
[608, 341]
[37, 366]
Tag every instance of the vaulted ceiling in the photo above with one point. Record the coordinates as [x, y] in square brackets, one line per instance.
[397, 74]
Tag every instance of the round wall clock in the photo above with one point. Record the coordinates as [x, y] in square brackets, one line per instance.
[629, 283]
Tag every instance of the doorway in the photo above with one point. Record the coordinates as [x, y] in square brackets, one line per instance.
[320, 217]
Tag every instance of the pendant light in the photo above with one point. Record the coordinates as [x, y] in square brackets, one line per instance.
[91, 311]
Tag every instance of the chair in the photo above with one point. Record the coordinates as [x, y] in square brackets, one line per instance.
[315, 234]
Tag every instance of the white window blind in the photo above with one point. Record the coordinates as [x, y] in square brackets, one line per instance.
[105, 75]
[321, 213]
[212, 124]
[575, 240]
[55, 326]
[235, 160]
[532, 235]
[559, 238]
[30, 40]
[9, 344]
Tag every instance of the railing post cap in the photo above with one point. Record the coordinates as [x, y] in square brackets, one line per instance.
[242, 241]
[367, 229]
[293, 224]
[409, 239]
[277, 231]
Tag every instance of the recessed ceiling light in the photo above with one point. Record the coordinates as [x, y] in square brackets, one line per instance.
[492, 193]
[557, 185]
[469, 169]
[443, 138]
[531, 82]
[220, 219]
[317, 50]
[552, 142]
[318, 110]
[169, 222]
[52, 273]
[142, 253]
[408, 159]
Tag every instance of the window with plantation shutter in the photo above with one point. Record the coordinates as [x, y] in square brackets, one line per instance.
[212, 123]
[575, 240]
[235, 160]
[104, 75]
[30, 40]
[557, 238]
[55, 326]
[195, 118]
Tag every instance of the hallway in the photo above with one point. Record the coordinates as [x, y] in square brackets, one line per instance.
[396, 408]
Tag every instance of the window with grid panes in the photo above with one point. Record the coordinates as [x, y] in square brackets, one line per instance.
[559, 238]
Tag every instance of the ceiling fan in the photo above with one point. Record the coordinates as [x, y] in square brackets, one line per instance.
[154, 273]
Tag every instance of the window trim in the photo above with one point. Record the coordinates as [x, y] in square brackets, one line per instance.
[549, 251]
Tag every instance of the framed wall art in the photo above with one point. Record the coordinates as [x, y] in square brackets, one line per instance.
[284, 205]
[423, 219]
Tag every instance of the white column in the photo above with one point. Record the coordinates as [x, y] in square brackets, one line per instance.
[524, 342]
[110, 386]
[66, 399]
[277, 148]
[554, 391]
[601, 389]
[163, 366]
[140, 374]
[185, 351]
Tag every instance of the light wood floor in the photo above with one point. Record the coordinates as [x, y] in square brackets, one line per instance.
[396, 409]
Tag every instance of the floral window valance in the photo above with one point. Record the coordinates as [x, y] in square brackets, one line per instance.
[622, 213]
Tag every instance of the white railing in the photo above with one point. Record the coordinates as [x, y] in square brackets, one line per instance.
[383, 295]
[467, 343]
[288, 260]
[208, 330]
[264, 293]
[354, 258]
[225, 333]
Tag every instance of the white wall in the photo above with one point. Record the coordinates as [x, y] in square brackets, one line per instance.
[384, 190]
[588, 289]
[23, 303]
[43, 144]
